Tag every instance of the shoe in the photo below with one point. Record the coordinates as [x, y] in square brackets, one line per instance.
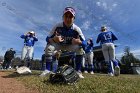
[79, 71]
[85, 72]
[44, 73]
[91, 72]
[110, 74]
[117, 71]
[80, 75]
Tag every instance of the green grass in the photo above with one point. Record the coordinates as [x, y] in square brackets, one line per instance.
[98, 83]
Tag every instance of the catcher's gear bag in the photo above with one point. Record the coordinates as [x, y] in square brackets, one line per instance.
[65, 74]
[23, 70]
[66, 58]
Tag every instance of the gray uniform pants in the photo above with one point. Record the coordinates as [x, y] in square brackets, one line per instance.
[109, 55]
[27, 51]
[108, 50]
[89, 58]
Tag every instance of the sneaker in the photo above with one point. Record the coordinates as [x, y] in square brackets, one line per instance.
[91, 72]
[80, 75]
[44, 73]
[79, 71]
[85, 72]
[110, 74]
[117, 71]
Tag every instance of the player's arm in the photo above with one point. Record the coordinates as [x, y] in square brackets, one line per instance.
[54, 37]
[80, 40]
[114, 37]
[35, 39]
[49, 38]
[25, 35]
[98, 38]
[91, 43]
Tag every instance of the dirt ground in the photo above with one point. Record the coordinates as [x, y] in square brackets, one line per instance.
[11, 85]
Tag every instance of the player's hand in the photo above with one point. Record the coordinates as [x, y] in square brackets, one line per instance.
[57, 54]
[27, 34]
[34, 34]
[57, 38]
[76, 41]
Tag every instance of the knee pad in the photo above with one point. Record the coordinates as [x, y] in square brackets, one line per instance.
[49, 50]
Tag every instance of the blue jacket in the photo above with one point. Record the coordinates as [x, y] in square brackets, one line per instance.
[106, 37]
[67, 33]
[89, 48]
[29, 40]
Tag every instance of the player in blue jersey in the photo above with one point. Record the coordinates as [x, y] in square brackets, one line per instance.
[28, 49]
[65, 36]
[89, 57]
[106, 39]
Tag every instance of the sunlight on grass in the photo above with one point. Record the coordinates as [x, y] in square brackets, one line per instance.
[98, 83]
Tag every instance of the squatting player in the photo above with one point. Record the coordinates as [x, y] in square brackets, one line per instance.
[65, 36]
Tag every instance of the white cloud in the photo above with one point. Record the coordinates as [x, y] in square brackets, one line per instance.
[86, 25]
[136, 52]
[102, 4]
[98, 3]
[2, 50]
[41, 15]
[41, 40]
[119, 54]
[106, 5]
[115, 5]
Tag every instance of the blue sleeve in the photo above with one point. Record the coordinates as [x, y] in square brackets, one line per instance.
[91, 45]
[47, 38]
[52, 32]
[98, 39]
[23, 36]
[35, 39]
[114, 37]
[84, 44]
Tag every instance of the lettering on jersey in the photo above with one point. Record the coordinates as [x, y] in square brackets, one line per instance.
[107, 36]
[67, 40]
[67, 34]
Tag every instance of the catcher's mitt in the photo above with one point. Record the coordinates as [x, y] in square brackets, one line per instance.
[65, 74]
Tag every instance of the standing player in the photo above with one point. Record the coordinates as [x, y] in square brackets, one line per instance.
[89, 56]
[8, 57]
[106, 39]
[28, 49]
[65, 36]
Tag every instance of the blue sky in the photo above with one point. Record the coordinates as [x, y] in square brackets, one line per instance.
[19, 16]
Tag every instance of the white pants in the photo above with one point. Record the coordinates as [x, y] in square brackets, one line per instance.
[89, 58]
[108, 50]
[27, 51]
